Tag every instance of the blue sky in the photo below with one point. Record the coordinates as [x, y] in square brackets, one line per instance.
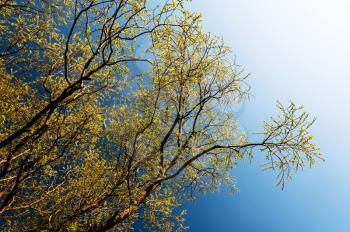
[296, 50]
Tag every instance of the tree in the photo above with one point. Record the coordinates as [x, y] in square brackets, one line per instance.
[89, 145]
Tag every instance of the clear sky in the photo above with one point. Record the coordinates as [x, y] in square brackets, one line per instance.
[294, 49]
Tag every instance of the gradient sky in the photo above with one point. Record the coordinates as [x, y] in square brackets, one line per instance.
[294, 49]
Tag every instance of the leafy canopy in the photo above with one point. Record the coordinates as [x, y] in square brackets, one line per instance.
[87, 144]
